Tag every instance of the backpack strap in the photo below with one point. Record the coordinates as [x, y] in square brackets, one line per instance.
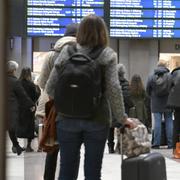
[72, 49]
[93, 54]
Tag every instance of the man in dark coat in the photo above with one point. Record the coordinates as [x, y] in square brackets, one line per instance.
[174, 103]
[127, 104]
[159, 108]
[16, 96]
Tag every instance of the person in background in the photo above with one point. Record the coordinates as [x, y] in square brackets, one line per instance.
[159, 106]
[72, 132]
[69, 38]
[174, 103]
[26, 115]
[127, 103]
[140, 101]
[16, 97]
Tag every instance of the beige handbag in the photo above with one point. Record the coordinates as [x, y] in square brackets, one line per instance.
[134, 141]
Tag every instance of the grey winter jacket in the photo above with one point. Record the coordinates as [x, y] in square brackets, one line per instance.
[158, 103]
[113, 92]
[174, 95]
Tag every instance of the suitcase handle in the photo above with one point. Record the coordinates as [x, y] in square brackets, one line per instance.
[122, 129]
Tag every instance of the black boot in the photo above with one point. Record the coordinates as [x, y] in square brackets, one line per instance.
[111, 148]
[17, 149]
[29, 148]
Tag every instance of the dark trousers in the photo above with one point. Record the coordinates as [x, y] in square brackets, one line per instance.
[50, 165]
[71, 134]
[176, 130]
[111, 137]
[12, 136]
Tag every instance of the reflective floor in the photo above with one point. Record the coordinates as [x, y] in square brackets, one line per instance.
[30, 166]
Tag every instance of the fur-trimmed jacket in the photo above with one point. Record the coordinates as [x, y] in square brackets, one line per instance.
[46, 70]
[51, 57]
[113, 91]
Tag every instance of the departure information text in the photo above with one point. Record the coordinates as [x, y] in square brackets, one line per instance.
[145, 18]
[50, 17]
[124, 18]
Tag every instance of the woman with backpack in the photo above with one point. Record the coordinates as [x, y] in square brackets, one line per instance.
[76, 125]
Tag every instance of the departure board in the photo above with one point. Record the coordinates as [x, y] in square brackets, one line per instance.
[50, 17]
[124, 18]
[144, 18]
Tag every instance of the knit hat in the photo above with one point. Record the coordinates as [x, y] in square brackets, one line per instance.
[71, 29]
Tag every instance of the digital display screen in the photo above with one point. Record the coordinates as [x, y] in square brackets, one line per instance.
[50, 17]
[124, 18]
[145, 18]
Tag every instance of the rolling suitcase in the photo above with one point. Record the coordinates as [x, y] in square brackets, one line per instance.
[149, 166]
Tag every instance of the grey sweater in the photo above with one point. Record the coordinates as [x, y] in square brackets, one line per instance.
[113, 92]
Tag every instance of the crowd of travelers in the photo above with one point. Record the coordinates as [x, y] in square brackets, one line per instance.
[121, 101]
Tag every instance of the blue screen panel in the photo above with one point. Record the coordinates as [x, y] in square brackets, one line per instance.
[50, 17]
[145, 18]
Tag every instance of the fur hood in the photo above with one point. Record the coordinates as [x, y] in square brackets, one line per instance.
[63, 41]
[51, 57]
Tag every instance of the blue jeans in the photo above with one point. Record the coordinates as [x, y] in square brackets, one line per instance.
[71, 134]
[157, 127]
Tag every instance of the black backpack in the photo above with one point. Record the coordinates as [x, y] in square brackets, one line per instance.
[161, 84]
[79, 88]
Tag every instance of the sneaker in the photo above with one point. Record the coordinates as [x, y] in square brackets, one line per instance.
[14, 149]
[155, 147]
[169, 147]
[17, 149]
[29, 149]
[111, 151]
[22, 148]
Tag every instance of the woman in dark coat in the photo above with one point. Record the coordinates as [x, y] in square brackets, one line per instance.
[26, 122]
[174, 103]
[16, 97]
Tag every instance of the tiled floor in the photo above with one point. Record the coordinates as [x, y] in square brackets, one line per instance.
[29, 166]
